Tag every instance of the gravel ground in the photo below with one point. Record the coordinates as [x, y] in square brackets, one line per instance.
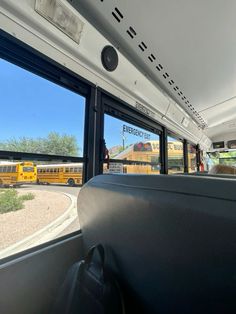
[42, 210]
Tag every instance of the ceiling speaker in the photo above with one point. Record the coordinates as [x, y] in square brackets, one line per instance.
[109, 58]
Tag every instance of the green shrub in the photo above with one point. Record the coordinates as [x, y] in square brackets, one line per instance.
[27, 197]
[9, 201]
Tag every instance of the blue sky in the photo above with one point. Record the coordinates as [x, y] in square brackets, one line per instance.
[113, 133]
[32, 106]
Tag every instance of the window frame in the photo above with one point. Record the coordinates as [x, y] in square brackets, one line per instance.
[196, 148]
[118, 109]
[22, 55]
[179, 138]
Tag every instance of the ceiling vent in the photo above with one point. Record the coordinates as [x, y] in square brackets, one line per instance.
[154, 61]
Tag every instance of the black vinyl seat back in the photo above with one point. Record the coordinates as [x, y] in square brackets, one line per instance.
[173, 239]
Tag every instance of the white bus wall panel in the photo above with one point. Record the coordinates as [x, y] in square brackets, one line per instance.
[177, 115]
[205, 143]
[19, 19]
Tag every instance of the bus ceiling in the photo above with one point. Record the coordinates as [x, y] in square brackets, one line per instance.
[188, 48]
[174, 59]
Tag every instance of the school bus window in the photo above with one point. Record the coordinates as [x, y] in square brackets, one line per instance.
[27, 169]
[221, 158]
[192, 158]
[40, 191]
[62, 134]
[126, 141]
[156, 162]
[175, 155]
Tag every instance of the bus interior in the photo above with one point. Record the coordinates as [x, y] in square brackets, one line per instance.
[138, 100]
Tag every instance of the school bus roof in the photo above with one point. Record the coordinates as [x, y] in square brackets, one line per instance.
[12, 163]
[61, 165]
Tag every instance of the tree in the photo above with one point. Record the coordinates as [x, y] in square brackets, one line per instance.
[54, 144]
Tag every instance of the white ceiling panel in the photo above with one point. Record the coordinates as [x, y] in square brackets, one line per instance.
[220, 113]
[187, 47]
[222, 129]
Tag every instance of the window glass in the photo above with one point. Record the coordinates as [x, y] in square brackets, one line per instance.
[221, 158]
[28, 169]
[192, 158]
[175, 155]
[38, 197]
[128, 142]
[44, 117]
[32, 200]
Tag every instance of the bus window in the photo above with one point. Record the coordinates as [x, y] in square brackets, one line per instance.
[175, 155]
[192, 158]
[131, 149]
[227, 158]
[38, 195]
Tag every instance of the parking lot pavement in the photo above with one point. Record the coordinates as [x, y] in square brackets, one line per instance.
[54, 188]
[74, 226]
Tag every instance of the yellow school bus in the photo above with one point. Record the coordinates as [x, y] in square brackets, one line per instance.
[142, 152]
[17, 173]
[149, 152]
[70, 174]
